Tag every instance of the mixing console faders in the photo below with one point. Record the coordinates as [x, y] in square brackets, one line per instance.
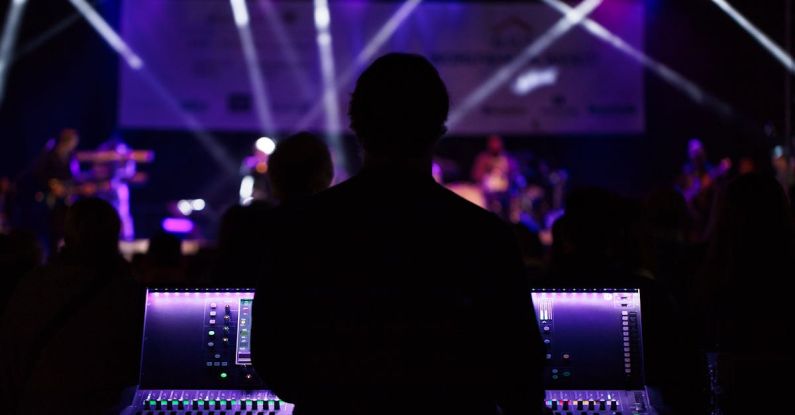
[193, 402]
[601, 402]
[196, 357]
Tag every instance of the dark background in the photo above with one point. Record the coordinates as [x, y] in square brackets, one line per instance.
[69, 79]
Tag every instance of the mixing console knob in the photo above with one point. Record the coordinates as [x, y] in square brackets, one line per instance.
[613, 405]
[579, 405]
[591, 405]
[565, 405]
[602, 405]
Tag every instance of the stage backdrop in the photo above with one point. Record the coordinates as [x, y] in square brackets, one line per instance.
[195, 74]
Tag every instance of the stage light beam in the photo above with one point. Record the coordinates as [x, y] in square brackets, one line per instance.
[259, 89]
[111, 37]
[672, 77]
[13, 20]
[288, 49]
[365, 55]
[330, 103]
[570, 19]
[771, 46]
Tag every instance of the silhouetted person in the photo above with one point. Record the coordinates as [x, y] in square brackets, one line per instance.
[742, 293]
[389, 294]
[599, 243]
[20, 253]
[75, 323]
[299, 167]
[163, 263]
[496, 172]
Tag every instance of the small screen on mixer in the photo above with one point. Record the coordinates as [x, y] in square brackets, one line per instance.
[198, 338]
[592, 337]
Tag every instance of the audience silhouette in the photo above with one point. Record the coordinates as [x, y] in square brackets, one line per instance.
[375, 298]
[599, 243]
[75, 322]
[20, 253]
[741, 297]
[299, 167]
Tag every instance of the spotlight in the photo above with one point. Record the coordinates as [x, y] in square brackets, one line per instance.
[185, 207]
[265, 145]
[107, 33]
[246, 190]
[240, 12]
[198, 205]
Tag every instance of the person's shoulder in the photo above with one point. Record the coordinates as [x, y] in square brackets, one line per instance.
[466, 210]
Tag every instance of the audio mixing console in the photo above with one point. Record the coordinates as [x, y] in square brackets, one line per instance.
[594, 351]
[196, 356]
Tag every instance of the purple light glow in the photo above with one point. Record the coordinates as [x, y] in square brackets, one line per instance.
[612, 299]
[177, 225]
[155, 297]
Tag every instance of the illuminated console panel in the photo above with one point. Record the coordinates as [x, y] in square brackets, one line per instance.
[196, 356]
[594, 350]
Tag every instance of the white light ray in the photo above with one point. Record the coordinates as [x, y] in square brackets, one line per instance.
[259, 90]
[504, 74]
[680, 82]
[367, 54]
[103, 28]
[13, 20]
[774, 49]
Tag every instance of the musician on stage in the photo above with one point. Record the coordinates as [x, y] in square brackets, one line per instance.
[697, 184]
[55, 172]
[114, 166]
[497, 173]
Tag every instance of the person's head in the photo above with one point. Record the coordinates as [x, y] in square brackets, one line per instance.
[494, 145]
[399, 108]
[92, 229]
[300, 166]
[754, 216]
[67, 141]
[695, 151]
[165, 250]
